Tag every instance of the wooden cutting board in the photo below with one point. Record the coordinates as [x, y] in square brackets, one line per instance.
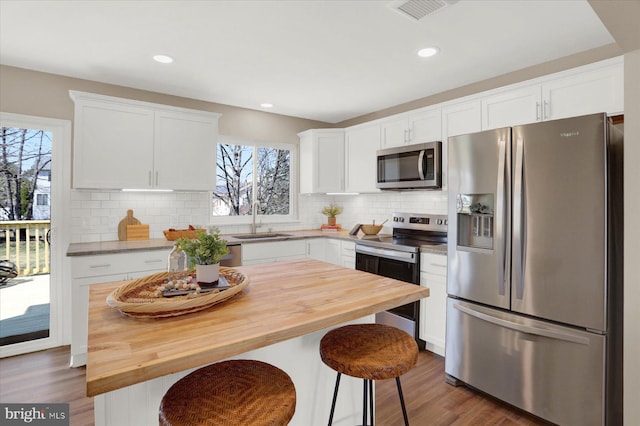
[122, 226]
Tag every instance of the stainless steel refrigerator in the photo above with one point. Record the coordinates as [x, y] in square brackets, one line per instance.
[534, 313]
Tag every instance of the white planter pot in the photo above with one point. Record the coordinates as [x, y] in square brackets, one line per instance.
[207, 273]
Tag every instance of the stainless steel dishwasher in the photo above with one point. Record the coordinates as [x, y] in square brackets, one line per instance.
[234, 258]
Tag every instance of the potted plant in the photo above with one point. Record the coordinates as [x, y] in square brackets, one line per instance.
[205, 252]
[331, 211]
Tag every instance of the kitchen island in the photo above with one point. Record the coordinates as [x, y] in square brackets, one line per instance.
[279, 318]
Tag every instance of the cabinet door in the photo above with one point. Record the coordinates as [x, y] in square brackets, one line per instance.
[433, 274]
[321, 161]
[585, 93]
[425, 126]
[458, 119]
[512, 108]
[333, 251]
[394, 132]
[113, 145]
[185, 151]
[316, 248]
[361, 144]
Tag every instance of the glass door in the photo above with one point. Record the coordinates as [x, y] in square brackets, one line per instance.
[30, 256]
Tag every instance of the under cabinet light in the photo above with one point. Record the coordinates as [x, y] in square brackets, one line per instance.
[146, 190]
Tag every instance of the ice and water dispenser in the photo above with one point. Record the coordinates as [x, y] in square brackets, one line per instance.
[475, 220]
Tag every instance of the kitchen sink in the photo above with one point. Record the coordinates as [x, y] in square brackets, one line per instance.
[260, 236]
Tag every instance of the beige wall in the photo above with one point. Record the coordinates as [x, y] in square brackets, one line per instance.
[47, 95]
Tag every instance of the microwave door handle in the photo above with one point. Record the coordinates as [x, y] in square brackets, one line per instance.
[421, 164]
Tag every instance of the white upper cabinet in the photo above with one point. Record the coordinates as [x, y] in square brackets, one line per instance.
[520, 106]
[120, 143]
[458, 119]
[321, 161]
[462, 118]
[418, 126]
[595, 88]
[600, 90]
[185, 151]
[361, 144]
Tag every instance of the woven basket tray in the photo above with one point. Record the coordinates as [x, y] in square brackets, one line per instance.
[136, 299]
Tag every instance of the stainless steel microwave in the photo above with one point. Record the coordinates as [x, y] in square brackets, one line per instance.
[410, 167]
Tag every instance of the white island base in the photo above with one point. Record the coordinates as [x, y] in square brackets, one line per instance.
[137, 405]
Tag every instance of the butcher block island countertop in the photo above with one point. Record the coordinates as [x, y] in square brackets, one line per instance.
[283, 300]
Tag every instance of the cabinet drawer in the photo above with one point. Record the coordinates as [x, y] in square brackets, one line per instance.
[348, 248]
[435, 264]
[118, 263]
[274, 250]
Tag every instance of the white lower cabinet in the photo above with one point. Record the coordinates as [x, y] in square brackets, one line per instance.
[340, 252]
[333, 251]
[316, 248]
[273, 251]
[433, 309]
[97, 269]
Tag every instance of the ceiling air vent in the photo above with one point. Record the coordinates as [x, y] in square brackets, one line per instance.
[418, 9]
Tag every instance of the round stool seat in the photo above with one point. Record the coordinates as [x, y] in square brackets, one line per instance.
[369, 351]
[236, 392]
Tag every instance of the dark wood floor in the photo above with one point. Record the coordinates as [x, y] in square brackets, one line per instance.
[46, 377]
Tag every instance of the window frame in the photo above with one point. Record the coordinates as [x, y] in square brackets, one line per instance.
[293, 176]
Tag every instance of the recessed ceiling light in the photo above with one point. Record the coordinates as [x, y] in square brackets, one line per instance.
[163, 59]
[428, 52]
[266, 105]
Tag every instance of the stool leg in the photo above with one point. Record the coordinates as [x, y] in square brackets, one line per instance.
[335, 397]
[371, 400]
[404, 410]
[364, 403]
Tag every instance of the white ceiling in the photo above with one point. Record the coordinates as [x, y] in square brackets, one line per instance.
[323, 60]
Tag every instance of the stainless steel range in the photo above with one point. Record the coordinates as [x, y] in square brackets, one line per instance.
[398, 256]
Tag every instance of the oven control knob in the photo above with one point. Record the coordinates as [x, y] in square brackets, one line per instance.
[438, 221]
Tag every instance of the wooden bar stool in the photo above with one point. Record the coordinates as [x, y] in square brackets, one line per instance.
[370, 352]
[235, 392]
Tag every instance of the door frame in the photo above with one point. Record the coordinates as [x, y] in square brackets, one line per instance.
[60, 284]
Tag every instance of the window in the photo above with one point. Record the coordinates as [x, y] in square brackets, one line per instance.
[250, 172]
[42, 199]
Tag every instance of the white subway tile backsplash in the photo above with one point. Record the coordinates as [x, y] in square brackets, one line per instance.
[95, 214]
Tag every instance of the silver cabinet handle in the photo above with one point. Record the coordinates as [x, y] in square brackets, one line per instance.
[153, 261]
[104, 265]
[538, 111]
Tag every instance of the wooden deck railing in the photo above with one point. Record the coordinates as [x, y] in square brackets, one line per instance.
[24, 242]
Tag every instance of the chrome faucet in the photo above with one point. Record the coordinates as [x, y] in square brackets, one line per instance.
[254, 209]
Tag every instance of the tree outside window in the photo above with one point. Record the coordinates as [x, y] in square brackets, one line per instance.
[249, 173]
[25, 166]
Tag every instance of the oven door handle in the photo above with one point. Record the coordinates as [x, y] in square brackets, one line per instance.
[387, 254]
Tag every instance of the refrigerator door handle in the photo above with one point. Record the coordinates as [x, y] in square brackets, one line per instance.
[552, 334]
[519, 220]
[500, 218]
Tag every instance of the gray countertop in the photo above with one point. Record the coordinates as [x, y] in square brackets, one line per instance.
[108, 247]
